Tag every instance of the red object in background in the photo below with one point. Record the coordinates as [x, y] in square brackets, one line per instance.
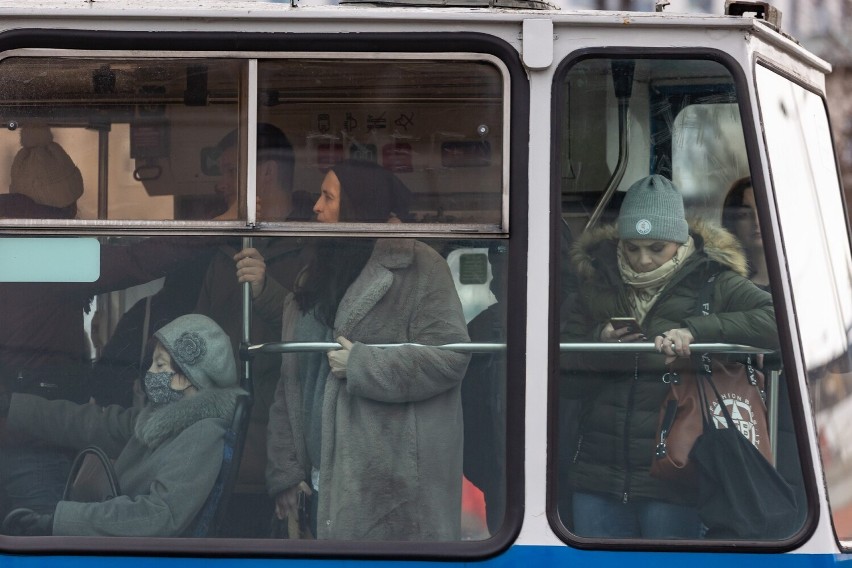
[396, 157]
[474, 524]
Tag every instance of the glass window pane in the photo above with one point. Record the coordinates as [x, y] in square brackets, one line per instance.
[437, 125]
[809, 201]
[417, 428]
[116, 138]
[649, 151]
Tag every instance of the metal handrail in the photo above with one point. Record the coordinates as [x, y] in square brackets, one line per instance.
[310, 346]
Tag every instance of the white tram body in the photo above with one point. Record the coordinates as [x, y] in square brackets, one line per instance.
[504, 122]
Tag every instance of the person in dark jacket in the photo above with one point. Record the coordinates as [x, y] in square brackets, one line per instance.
[650, 266]
[220, 298]
[168, 453]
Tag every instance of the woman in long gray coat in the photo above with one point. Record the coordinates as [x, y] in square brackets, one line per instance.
[168, 453]
[377, 433]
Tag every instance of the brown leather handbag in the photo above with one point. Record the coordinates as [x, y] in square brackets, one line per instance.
[742, 387]
[680, 424]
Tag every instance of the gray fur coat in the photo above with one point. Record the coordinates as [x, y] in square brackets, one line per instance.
[392, 429]
[166, 458]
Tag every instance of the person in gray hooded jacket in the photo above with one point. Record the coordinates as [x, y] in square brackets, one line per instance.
[168, 453]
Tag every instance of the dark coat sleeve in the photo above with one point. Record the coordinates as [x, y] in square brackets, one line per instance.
[742, 313]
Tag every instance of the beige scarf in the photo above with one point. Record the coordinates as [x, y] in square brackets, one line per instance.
[645, 287]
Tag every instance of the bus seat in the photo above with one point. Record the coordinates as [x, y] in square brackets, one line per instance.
[209, 521]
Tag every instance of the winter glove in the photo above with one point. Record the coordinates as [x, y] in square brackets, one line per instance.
[339, 358]
[26, 522]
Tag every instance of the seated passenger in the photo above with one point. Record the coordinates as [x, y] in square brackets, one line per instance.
[739, 216]
[377, 433]
[168, 453]
[651, 266]
[43, 343]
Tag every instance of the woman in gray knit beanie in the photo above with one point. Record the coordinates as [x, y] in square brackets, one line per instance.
[649, 268]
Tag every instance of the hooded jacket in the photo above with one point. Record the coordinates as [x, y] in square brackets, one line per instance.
[621, 394]
[166, 458]
[392, 429]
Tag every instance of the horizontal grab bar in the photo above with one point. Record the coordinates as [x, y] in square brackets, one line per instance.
[305, 347]
[649, 348]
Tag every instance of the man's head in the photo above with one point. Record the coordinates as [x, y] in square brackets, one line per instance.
[275, 166]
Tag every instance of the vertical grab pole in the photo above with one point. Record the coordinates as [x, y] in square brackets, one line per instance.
[772, 411]
[246, 337]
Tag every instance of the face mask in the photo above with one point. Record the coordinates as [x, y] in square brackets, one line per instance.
[158, 387]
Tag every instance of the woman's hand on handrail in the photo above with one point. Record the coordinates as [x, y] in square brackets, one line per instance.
[674, 343]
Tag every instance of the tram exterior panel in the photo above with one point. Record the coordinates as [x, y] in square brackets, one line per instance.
[511, 147]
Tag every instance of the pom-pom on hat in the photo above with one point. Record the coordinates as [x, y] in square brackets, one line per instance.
[653, 209]
[43, 171]
[201, 349]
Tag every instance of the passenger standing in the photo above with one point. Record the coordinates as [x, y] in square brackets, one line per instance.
[221, 299]
[739, 216]
[376, 432]
[650, 266]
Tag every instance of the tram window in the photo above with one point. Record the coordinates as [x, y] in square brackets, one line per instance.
[339, 140]
[642, 233]
[808, 195]
[161, 139]
[132, 128]
[438, 125]
[412, 483]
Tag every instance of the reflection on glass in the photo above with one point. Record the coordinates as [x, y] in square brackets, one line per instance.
[437, 125]
[114, 138]
[817, 247]
[394, 291]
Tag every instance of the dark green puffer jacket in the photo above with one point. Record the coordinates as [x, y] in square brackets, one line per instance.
[621, 393]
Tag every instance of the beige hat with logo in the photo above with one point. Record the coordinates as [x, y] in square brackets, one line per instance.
[43, 171]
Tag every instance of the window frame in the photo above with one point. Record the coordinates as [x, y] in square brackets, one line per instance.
[515, 200]
[248, 114]
[777, 274]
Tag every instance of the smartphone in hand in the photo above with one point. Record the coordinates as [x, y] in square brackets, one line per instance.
[631, 324]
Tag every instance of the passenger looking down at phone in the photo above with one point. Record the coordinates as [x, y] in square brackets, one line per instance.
[650, 267]
[168, 453]
[374, 435]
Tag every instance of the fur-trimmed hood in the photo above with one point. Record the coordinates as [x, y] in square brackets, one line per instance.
[156, 424]
[716, 243]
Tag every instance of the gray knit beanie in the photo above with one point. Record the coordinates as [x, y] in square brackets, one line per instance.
[653, 209]
[43, 171]
[201, 349]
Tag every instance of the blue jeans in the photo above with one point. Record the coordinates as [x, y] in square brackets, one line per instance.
[600, 515]
[33, 477]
